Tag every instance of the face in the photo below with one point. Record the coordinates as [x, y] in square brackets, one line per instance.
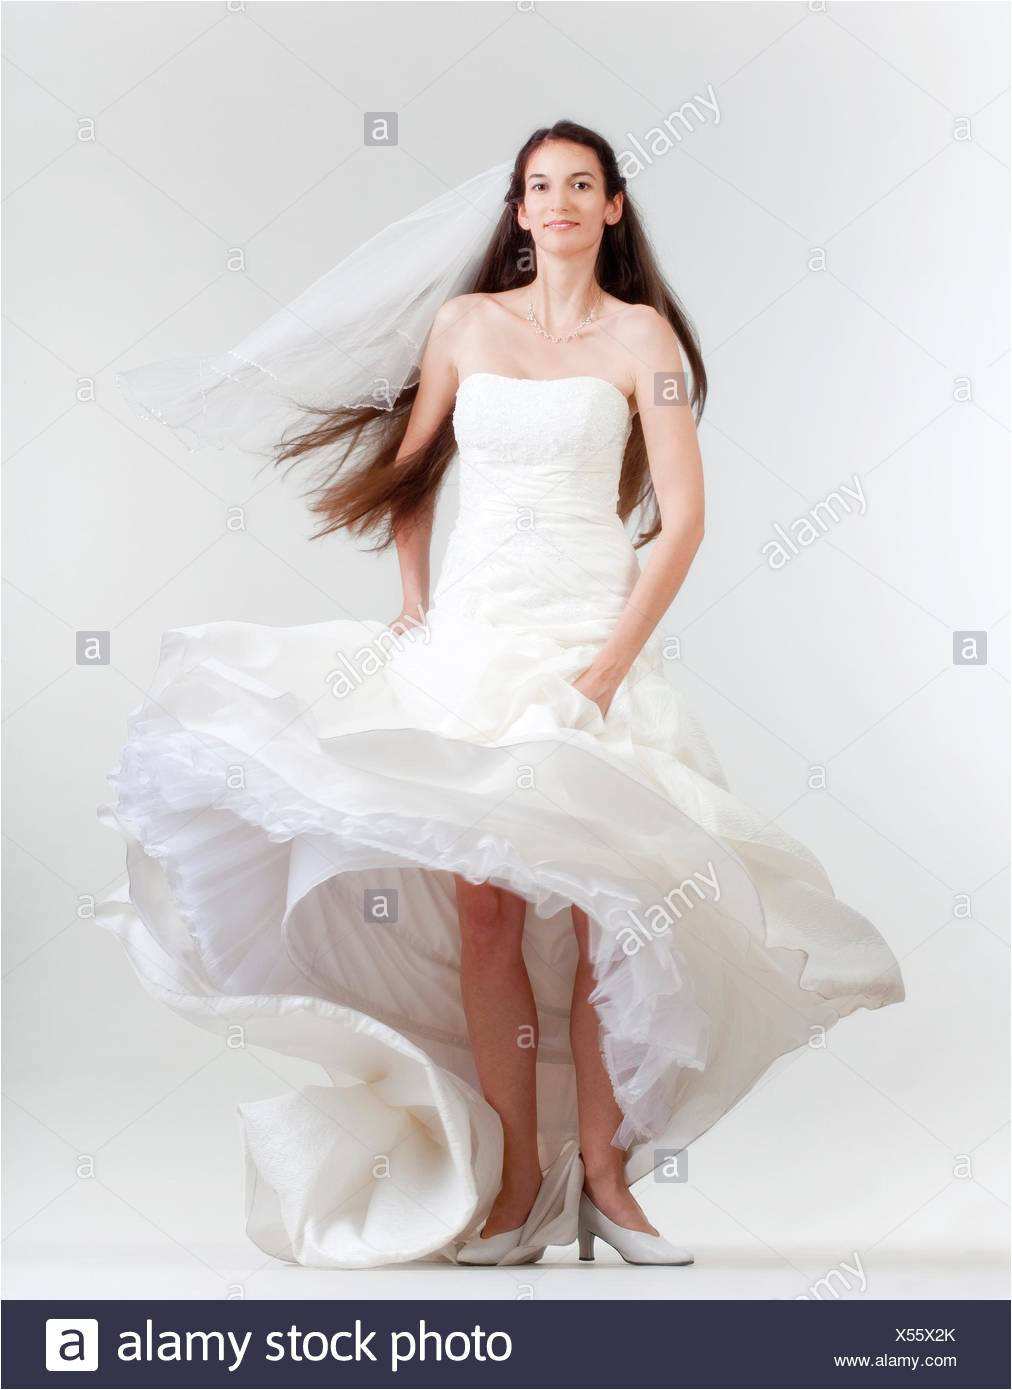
[565, 207]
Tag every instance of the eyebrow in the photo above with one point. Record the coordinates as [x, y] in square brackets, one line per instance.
[579, 174]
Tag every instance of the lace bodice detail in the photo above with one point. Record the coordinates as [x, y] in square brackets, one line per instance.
[538, 542]
[531, 419]
[558, 442]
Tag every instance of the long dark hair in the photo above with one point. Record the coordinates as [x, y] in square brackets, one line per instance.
[378, 497]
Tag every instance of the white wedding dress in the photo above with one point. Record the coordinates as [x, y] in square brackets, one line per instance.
[295, 800]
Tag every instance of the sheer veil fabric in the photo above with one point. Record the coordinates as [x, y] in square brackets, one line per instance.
[353, 338]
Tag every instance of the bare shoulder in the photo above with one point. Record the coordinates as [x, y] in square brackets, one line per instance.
[647, 332]
[461, 306]
[463, 320]
[457, 324]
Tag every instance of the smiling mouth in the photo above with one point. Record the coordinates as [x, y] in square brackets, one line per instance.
[561, 224]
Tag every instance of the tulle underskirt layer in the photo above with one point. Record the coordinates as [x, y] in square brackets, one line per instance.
[295, 803]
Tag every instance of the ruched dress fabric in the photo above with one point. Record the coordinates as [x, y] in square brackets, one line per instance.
[295, 801]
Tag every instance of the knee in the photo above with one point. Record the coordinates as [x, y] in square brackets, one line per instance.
[485, 932]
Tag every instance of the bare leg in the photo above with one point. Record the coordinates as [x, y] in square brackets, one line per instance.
[502, 1023]
[600, 1115]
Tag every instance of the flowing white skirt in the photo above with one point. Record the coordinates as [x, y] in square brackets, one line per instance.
[294, 803]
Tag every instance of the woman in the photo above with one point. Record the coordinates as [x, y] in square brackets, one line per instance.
[481, 865]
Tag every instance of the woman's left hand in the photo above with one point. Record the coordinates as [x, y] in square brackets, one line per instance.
[597, 687]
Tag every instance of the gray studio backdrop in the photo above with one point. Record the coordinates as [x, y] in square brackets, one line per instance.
[832, 204]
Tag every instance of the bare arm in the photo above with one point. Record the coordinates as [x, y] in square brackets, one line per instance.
[676, 471]
[437, 386]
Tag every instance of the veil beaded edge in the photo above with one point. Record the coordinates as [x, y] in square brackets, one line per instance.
[355, 337]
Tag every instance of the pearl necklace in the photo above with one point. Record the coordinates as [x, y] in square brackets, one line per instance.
[551, 336]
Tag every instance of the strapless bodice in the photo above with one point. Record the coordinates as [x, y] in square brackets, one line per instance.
[554, 444]
[538, 544]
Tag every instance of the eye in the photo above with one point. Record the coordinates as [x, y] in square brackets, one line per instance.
[583, 183]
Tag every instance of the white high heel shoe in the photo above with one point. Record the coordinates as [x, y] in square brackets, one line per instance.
[635, 1247]
[489, 1250]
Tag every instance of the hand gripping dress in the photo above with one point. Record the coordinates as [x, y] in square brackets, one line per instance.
[294, 802]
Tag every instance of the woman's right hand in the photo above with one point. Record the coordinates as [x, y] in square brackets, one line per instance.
[409, 619]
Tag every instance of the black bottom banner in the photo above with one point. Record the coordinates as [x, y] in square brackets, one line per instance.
[547, 1343]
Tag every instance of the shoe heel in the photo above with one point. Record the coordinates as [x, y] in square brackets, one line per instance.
[586, 1244]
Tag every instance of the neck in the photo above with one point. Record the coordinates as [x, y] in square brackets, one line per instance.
[563, 294]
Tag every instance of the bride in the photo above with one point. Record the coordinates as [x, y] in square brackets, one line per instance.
[578, 949]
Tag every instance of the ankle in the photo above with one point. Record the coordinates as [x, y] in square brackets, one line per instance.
[605, 1177]
[520, 1165]
[607, 1196]
[518, 1186]
[521, 1176]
